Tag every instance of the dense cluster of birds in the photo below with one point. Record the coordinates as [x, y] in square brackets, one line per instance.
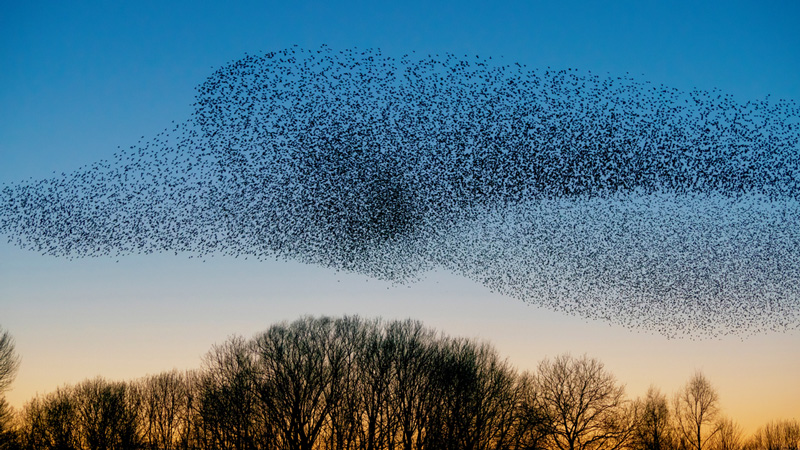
[600, 196]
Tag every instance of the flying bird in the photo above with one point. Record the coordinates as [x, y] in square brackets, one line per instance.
[609, 198]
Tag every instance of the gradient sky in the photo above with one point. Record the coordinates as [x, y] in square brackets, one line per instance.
[78, 81]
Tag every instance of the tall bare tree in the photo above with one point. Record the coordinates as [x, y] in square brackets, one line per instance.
[355, 384]
[303, 365]
[368, 398]
[477, 396]
[654, 430]
[586, 406]
[498, 395]
[52, 422]
[164, 410]
[8, 435]
[777, 435]
[413, 348]
[9, 363]
[228, 405]
[530, 424]
[729, 435]
[108, 412]
[696, 410]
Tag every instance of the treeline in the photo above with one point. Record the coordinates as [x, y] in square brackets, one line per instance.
[350, 383]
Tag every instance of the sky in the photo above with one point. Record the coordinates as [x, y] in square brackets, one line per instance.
[80, 80]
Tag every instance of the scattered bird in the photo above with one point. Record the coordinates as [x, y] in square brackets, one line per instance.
[604, 197]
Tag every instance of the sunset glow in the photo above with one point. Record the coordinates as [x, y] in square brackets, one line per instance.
[81, 81]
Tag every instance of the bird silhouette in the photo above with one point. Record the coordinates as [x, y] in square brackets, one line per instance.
[609, 198]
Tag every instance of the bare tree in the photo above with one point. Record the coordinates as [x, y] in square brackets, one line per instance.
[476, 397]
[190, 437]
[369, 425]
[729, 435]
[453, 381]
[51, 422]
[9, 361]
[108, 413]
[586, 407]
[777, 435]
[164, 410]
[498, 396]
[8, 432]
[355, 384]
[791, 434]
[228, 405]
[410, 389]
[654, 429]
[530, 423]
[302, 365]
[696, 410]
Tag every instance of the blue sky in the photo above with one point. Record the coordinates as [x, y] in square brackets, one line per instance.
[80, 79]
[87, 78]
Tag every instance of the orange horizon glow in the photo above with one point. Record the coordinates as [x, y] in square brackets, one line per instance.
[173, 319]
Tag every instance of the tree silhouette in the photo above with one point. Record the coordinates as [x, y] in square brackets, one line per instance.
[776, 435]
[9, 363]
[477, 397]
[228, 406]
[165, 410]
[696, 409]
[356, 384]
[413, 356]
[531, 425]
[109, 415]
[729, 435]
[586, 407]
[654, 430]
[302, 367]
[52, 422]
[370, 425]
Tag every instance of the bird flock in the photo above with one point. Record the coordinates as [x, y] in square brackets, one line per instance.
[606, 197]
